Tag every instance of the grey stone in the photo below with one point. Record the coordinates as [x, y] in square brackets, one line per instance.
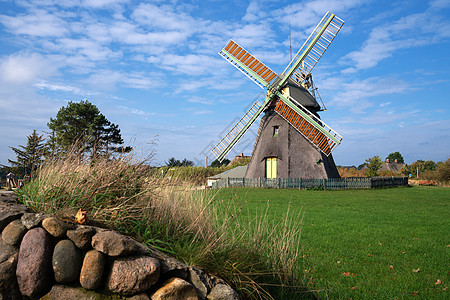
[200, 281]
[55, 227]
[13, 232]
[115, 244]
[66, 261]
[61, 292]
[10, 210]
[170, 267]
[132, 274]
[81, 236]
[8, 281]
[34, 264]
[92, 270]
[32, 220]
[222, 292]
[175, 289]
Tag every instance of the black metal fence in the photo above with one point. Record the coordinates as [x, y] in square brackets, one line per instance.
[309, 183]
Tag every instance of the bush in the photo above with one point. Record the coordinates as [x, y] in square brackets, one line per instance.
[443, 171]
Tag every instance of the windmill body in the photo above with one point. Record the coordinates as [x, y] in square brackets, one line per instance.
[280, 151]
[292, 140]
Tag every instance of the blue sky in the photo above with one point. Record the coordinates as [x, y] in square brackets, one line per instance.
[152, 68]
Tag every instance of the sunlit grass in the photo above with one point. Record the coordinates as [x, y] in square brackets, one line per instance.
[365, 244]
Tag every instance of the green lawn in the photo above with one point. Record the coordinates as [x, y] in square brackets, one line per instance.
[364, 244]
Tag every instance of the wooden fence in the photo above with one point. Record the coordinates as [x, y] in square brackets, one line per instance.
[309, 183]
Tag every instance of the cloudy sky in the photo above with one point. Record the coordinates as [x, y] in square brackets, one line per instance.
[152, 68]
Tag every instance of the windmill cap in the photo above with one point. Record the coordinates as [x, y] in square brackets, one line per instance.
[301, 95]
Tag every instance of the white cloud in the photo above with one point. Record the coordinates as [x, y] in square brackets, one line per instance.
[22, 68]
[413, 30]
[39, 23]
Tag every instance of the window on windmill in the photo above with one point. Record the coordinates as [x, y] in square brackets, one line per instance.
[275, 131]
[319, 161]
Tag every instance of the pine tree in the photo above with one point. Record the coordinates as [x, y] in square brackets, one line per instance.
[29, 157]
[83, 125]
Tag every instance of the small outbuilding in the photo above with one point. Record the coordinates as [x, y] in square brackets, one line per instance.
[238, 172]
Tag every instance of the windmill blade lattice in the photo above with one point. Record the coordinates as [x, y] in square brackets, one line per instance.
[237, 132]
[322, 136]
[313, 48]
[248, 64]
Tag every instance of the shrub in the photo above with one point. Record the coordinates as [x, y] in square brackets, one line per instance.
[443, 171]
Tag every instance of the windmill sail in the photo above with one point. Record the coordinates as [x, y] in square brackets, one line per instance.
[313, 48]
[248, 64]
[235, 134]
[312, 128]
[322, 136]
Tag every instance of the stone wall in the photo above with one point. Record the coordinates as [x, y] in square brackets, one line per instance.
[44, 257]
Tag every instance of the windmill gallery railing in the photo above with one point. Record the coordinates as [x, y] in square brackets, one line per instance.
[310, 183]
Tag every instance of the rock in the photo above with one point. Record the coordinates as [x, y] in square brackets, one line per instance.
[82, 236]
[115, 244]
[132, 274]
[8, 281]
[34, 263]
[31, 220]
[170, 267]
[222, 292]
[142, 296]
[59, 292]
[9, 209]
[200, 281]
[66, 261]
[54, 226]
[6, 251]
[175, 289]
[92, 270]
[13, 232]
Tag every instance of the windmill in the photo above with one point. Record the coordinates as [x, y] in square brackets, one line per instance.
[292, 140]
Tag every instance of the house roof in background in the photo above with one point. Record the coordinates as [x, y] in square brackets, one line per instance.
[238, 172]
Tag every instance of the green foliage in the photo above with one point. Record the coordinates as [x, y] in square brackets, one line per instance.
[29, 157]
[172, 162]
[443, 171]
[242, 161]
[395, 156]
[422, 166]
[192, 175]
[216, 163]
[373, 165]
[82, 124]
[361, 166]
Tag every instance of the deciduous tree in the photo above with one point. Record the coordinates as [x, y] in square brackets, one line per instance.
[373, 165]
[395, 156]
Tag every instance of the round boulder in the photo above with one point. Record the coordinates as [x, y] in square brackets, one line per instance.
[13, 232]
[92, 270]
[54, 226]
[34, 264]
[66, 261]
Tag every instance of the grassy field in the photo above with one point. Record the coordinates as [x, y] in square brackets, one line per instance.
[363, 244]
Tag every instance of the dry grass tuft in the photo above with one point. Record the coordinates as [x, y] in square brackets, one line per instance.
[194, 226]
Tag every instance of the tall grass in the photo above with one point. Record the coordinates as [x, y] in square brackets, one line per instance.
[257, 258]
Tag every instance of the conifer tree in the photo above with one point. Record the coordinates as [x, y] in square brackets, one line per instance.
[29, 157]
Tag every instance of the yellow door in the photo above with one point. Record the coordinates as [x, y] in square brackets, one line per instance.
[271, 167]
